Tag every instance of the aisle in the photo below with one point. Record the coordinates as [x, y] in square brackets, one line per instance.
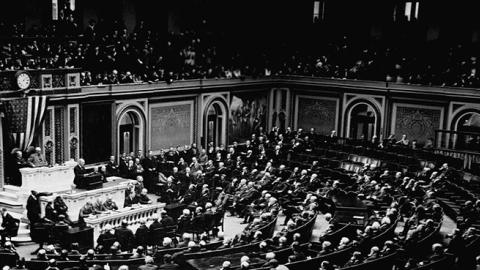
[319, 228]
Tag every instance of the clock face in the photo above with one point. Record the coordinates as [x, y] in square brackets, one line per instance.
[23, 81]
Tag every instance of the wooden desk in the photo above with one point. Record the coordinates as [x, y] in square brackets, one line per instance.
[132, 214]
[75, 199]
[212, 263]
[82, 236]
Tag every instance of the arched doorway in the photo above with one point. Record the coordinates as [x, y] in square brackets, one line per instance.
[130, 132]
[215, 124]
[362, 122]
[468, 131]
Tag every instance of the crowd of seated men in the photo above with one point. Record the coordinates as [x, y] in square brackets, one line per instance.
[416, 206]
[108, 54]
[30, 158]
[251, 181]
[471, 212]
[371, 184]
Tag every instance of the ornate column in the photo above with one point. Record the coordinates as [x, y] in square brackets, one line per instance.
[2, 164]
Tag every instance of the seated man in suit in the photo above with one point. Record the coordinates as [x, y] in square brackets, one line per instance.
[143, 197]
[125, 236]
[86, 211]
[112, 168]
[107, 236]
[149, 264]
[109, 204]
[168, 263]
[166, 220]
[36, 159]
[8, 225]
[131, 199]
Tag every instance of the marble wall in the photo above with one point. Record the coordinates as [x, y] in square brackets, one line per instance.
[171, 124]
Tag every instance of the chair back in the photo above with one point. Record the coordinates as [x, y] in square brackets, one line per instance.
[9, 259]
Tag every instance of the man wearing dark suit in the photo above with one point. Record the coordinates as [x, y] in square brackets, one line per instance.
[107, 237]
[33, 208]
[166, 220]
[125, 236]
[190, 195]
[9, 224]
[168, 263]
[149, 164]
[131, 199]
[149, 264]
[112, 167]
[277, 155]
[19, 163]
[154, 227]
[199, 218]
[170, 191]
[186, 154]
[142, 234]
[123, 166]
[172, 156]
[80, 172]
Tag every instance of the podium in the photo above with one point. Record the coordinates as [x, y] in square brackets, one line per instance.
[90, 181]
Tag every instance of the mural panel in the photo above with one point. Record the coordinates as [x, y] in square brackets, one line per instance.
[418, 123]
[171, 124]
[248, 113]
[318, 113]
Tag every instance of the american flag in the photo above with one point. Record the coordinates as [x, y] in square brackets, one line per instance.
[24, 117]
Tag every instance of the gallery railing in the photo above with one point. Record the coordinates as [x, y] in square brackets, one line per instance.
[461, 145]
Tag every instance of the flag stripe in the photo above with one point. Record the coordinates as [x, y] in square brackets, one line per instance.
[24, 117]
[28, 124]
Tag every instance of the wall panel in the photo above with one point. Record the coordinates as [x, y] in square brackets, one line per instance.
[416, 121]
[171, 124]
[320, 113]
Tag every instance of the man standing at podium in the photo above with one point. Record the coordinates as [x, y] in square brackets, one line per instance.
[80, 172]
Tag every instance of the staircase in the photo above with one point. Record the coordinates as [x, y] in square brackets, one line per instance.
[14, 201]
[10, 199]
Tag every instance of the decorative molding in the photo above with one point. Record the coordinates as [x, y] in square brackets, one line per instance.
[73, 132]
[351, 100]
[457, 108]
[205, 100]
[72, 80]
[48, 135]
[121, 105]
[139, 107]
[276, 95]
[46, 82]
